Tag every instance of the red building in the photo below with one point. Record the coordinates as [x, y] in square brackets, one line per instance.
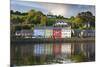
[57, 33]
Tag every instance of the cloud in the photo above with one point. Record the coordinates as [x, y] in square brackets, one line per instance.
[26, 5]
[66, 10]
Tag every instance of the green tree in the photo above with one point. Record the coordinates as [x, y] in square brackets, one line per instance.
[50, 21]
[26, 27]
[43, 20]
[83, 20]
[30, 16]
[36, 17]
[19, 27]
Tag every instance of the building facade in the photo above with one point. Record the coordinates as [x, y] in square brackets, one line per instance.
[57, 33]
[52, 32]
[24, 33]
[66, 33]
[39, 32]
[48, 32]
[83, 33]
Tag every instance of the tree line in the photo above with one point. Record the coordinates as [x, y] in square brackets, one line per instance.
[27, 20]
[83, 20]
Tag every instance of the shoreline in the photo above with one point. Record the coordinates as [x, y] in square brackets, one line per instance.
[51, 40]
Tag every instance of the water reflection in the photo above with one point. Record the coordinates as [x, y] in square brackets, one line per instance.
[51, 53]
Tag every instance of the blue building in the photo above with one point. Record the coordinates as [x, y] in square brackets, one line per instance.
[39, 32]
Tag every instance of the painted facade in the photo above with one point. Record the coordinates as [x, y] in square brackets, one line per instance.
[52, 32]
[88, 33]
[24, 33]
[57, 33]
[66, 33]
[48, 32]
[39, 32]
[83, 33]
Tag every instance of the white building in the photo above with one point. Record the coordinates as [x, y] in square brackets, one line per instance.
[66, 33]
[62, 23]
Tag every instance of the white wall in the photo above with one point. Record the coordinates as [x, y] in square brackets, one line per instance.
[66, 33]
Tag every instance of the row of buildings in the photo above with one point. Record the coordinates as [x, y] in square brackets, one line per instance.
[45, 32]
[59, 30]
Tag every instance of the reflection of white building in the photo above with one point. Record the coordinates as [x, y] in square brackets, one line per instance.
[66, 49]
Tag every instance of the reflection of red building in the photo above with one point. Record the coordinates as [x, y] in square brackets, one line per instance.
[56, 33]
[56, 49]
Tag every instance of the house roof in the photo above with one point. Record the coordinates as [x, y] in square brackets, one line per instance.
[62, 23]
[18, 31]
[50, 27]
[26, 31]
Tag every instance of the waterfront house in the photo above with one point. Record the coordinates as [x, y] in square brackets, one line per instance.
[83, 33]
[87, 33]
[39, 32]
[48, 32]
[61, 23]
[24, 33]
[66, 33]
[57, 32]
[18, 33]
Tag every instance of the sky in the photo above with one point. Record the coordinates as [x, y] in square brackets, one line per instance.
[66, 10]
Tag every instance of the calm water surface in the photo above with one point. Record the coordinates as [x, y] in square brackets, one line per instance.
[51, 53]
